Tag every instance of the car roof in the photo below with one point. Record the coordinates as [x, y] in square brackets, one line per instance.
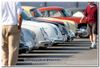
[50, 8]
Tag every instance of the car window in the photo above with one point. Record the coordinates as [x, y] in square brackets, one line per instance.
[54, 13]
[65, 13]
[36, 13]
[45, 14]
[25, 15]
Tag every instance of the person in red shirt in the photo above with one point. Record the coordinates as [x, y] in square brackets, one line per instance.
[91, 18]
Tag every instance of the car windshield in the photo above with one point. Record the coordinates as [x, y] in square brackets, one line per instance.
[54, 13]
[35, 13]
[50, 13]
[25, 15]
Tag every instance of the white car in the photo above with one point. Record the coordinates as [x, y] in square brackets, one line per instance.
[62, 30]
[31, 35]
[53, 32]
[39, 34]
[49, 31]
[28, 38]
[68, 35]
[40, 40]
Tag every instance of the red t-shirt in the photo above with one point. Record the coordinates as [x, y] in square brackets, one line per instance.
[91, 14]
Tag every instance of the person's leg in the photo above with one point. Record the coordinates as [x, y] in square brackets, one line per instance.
[4, 55]
[91, 38]
[94, 37]
[13, 45]
[94, 34]
[90, 32]
[4, 47]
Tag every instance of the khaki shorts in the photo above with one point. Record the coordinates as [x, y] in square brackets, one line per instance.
[10, 44]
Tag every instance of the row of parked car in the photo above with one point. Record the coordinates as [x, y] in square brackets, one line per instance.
[46, 26]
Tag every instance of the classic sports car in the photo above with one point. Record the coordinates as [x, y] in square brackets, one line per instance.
[70, 28]
[56, 14]
[35, 35]
[67, 36]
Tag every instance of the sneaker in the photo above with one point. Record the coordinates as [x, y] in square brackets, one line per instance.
[93, 45]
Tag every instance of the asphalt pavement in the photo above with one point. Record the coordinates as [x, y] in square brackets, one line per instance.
[71, 54]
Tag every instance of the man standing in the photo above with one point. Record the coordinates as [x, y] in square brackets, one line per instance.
[91, 18]
[11, 20]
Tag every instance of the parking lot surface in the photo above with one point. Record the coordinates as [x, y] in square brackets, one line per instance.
[75, 53]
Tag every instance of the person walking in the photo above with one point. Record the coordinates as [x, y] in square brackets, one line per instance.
[11, 20]
[91, 19]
